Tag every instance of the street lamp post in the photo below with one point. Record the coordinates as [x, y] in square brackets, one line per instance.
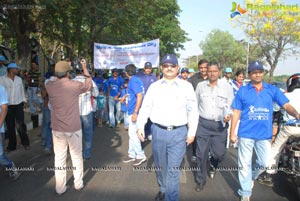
[247, 59]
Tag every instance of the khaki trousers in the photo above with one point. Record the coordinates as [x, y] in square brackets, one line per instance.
[61, 142]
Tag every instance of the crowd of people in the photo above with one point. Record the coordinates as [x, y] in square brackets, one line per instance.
[174, 109]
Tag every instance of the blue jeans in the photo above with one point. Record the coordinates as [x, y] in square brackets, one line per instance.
[148, 128]
[112, 104]
[168, 149]
[33, 99]
[87, 134]
[246, 171]
[126, 119]
[135, 147]
[46, 128]
[4, 161]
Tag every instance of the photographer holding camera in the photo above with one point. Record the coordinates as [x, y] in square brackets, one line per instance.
[86, 110]
[65, 122]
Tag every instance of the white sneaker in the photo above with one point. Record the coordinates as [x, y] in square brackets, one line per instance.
[128, 159]
[14, 175]
[139, 161]
[245, 198]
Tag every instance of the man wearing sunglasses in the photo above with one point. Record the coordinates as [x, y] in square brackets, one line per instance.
[171, 105]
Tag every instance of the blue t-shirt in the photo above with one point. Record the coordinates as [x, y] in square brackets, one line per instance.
[115, 85]
[124, 107]
[147, 80]
[135, 86]
[3, 101]
[99, 82]
[100, 101]
[256, 110]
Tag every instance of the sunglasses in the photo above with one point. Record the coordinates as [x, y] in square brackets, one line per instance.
[169, 65]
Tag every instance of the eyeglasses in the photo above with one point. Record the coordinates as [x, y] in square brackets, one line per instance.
[169, 65]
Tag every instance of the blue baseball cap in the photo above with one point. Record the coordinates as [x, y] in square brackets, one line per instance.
[255, 65]
[170, 58]
[228, 70]
[12, 65]
[184, 70]
[148, 65]
[2, 58]
[114, 70]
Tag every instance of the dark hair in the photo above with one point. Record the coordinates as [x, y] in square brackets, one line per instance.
[214, 63]
[202, 61]
[130, 69]
[239, 72]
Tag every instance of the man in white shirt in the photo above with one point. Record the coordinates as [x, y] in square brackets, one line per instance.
[15, 114]
[170, 103]
[86, 112]
[227, 75]
[214, 98]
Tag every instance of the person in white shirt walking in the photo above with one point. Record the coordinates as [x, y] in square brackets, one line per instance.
[15, 114]
[172, 107]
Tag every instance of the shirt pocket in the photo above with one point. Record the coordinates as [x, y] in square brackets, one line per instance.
[222, 100]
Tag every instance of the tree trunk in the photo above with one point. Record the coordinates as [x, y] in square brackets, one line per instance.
[21, 21]
[271, 72]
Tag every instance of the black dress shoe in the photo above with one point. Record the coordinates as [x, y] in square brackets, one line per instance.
[160, 196]
[212, 172]
[199, 187]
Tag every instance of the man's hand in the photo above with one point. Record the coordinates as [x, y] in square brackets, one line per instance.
[134, 117]
[190, 140]
[233, 138]
[227, 118]
[116, 98]
[83, 63]
[141, 134]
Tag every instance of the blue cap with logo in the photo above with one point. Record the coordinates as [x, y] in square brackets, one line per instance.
[148, 65]
[114, 70]
[255, 65]
[170, 58]
[228, 70]
[184, 70]
[12, 65]
[2, 58]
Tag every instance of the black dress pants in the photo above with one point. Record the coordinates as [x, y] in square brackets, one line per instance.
[15, 120]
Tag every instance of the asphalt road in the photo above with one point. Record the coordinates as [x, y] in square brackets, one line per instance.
[107, 178]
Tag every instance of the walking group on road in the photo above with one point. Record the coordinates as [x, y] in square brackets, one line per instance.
[176, 111]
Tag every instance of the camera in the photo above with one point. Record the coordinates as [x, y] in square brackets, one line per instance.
[77, 64]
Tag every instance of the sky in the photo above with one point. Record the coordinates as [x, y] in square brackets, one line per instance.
[199, 17]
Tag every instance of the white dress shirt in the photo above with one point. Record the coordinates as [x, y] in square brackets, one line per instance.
[170, 104]
[213, 101]
[14, 88]
[85, 102]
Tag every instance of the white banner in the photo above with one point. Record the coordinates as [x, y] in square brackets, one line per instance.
[118, 56]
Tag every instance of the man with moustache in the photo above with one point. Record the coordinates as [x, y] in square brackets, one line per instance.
[214, 98]
[170, 103]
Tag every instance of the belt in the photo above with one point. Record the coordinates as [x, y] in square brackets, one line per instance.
[293, 124]
[168, 128]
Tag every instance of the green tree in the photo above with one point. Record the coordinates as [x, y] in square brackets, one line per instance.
[220, 46]
[275, 31]
[73, 26]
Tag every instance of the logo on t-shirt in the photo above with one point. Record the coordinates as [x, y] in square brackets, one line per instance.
[258, 113]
